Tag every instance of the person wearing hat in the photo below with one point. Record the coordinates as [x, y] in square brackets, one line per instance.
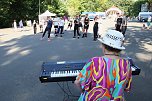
[105, 78]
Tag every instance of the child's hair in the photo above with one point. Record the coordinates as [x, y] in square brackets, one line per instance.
[111, 48]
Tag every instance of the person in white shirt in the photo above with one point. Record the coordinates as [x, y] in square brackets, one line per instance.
[35, 27]
[56, 25]
[41, 25]
[21, 25]
[15, 25]
[61, 26]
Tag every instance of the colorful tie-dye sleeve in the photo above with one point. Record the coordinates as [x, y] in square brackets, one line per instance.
[84, 73]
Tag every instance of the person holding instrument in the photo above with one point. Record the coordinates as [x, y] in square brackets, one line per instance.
[105, 78]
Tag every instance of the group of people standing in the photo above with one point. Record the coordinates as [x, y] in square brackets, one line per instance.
[58, 26]
[59, 23]
[15, 25]
[78, 24]
[21, 25]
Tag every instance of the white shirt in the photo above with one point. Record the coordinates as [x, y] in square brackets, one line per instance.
[56, 21]
[61, 23]
[21, 23]
[15, 24]
[149, 19]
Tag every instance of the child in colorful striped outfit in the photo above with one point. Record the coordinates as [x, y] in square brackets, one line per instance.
[106, 78]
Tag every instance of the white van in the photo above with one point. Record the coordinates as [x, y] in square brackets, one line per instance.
[143, 16]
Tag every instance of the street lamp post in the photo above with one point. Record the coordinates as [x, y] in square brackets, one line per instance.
[39, 12]
[39, 7]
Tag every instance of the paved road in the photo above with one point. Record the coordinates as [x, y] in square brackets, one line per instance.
[22, 54]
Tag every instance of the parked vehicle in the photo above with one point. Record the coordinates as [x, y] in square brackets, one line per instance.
[143, 16]
[91, 15]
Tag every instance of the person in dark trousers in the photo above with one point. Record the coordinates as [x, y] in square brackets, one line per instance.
[124, 25]
[95, 28]
[61, 26]
[86, 25]
[35, 27]
[48, 28]
[118, 24]
[76, 27]
[56, 25]
[69, 25]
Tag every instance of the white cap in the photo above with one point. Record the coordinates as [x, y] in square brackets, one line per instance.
[113, 39]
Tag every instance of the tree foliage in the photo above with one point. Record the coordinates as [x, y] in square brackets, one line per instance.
[27, 10]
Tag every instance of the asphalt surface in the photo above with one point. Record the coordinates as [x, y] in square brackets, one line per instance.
[22, 54]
